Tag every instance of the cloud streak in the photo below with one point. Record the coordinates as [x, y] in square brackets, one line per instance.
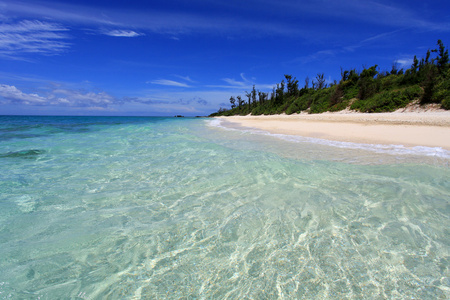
[169, 83]
[261, 17]
[158, 20]
[256, 17]
[185, 78]
[32, 37]
[123, 33]
[236, 83]
[330, 53]
[241, 85]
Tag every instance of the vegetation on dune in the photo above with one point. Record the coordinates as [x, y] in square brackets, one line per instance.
[427, 81]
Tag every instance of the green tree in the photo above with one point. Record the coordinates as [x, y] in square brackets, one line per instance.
[233, 102]
[428, 88]
[272, 95]
[249, 96]
[253, 94]
[337, 95]
[395, 70]
[279, 93]
[262, 97]
[370, 72]
[427, 58]
[240, 101]
[320, 81]
[353, 76]
[415, 65]
[443, 59]
[344, 74]
[367, 83]
[292, 85]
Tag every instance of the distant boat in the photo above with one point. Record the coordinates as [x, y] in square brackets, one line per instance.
[179, 116]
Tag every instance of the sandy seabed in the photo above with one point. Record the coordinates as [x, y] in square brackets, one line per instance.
[419, 128]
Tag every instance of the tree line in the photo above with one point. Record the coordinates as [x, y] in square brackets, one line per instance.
[371, 90]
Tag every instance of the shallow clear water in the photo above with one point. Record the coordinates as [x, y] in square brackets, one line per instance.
[171, 208]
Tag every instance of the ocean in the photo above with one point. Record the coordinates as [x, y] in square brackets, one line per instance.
[195, 208]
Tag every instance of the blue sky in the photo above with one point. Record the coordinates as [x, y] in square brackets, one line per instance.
[162, 58]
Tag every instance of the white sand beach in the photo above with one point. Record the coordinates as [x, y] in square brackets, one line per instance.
[416, 128]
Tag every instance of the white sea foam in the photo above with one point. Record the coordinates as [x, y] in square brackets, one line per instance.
[437, 152]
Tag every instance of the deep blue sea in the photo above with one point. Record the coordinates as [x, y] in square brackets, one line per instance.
[194, 208]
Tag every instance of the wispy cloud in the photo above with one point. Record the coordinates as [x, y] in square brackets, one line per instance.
[322, 55]
[384, 13]
[56, 97]
[63, 12]
[32, 37]
[241, 84]
[258, 17]
[319, 55]
[185, 78]
[238, 83]
[373, 40]
[169, 83]
[165, 21]
[123, 33]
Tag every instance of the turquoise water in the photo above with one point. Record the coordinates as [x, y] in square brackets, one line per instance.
[178, 208]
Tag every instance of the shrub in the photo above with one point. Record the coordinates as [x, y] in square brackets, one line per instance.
[446, 103]
[337, 96]
[390, 82]
[442, 91]
[428, 88]
[350, 92]
[293, 108]
[388, 100]
[321, 101]
[339, 106]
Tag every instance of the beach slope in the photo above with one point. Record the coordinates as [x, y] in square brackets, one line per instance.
[430, 129]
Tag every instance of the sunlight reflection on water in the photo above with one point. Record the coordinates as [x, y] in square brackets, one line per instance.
[180, 210]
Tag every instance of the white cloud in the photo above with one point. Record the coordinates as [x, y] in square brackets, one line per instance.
[404, 63]
[57, 97]
[11, 93]
[78, 98]
[123, 33]
[234, 83]
[169, 83]
[32, 37]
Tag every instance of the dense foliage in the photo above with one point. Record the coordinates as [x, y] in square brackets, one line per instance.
[370, 90]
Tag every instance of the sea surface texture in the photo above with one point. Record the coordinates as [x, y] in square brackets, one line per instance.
[180, 208]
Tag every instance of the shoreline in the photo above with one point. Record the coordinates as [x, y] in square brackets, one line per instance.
[410, 129]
